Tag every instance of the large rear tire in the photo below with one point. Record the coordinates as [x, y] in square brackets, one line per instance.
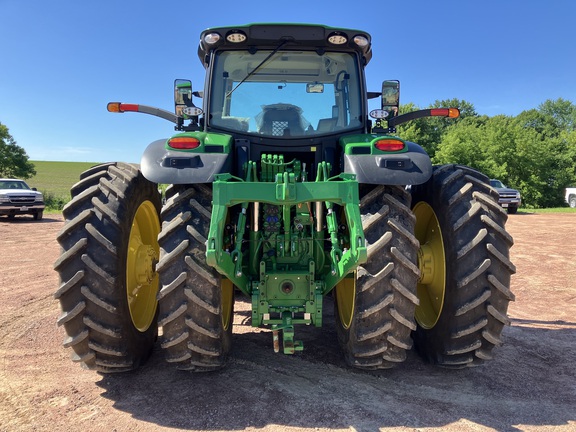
[464, 289]
[375, 308]
[108, 284]
[196, 303]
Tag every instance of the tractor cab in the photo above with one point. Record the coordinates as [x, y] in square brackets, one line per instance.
[284, 82]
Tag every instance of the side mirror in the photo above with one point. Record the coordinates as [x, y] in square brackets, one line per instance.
[182, 95]
[391, 97]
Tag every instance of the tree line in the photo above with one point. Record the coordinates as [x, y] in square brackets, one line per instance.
[534, 152]
[14, 161]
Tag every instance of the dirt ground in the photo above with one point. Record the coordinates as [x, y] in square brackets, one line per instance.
[529, 386]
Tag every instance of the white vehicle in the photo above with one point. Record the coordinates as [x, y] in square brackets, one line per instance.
[17, 198]
[571, 196]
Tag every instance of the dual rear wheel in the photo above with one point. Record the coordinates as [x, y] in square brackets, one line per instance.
[108, 285]
[464, 288]
[116, 262]
[196, 303]
[375, 308]
[438, 274]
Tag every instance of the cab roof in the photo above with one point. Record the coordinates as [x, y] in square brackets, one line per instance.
[269, 36]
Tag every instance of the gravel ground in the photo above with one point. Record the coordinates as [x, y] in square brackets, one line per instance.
[529, 386]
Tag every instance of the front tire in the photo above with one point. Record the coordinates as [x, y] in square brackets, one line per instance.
[375, 308]
[464, 289]
[108, 284]
[196, 303]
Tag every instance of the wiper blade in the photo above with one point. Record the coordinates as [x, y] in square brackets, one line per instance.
[253, 71]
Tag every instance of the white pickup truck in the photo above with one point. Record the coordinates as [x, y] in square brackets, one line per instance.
[17, 198]
[571, 196]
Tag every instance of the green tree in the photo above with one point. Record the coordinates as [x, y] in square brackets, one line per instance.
[501, 147]
[555, 123]
[561, 112]
[534, 152]
[13, 158]
[473, 142]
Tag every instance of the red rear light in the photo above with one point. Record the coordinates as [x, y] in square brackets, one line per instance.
[122, 107]
[439, 112]
[184, 143]
[445, 112]
[389, 145]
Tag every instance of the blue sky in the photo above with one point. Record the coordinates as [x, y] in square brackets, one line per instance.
[62, 61]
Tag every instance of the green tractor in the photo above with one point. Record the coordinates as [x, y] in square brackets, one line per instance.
[281, 188]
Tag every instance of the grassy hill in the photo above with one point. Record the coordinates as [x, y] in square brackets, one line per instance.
[54, 180]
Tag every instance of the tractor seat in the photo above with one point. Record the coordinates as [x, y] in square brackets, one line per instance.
[281, 120]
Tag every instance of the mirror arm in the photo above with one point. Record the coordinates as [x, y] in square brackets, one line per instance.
[393, 122]
[190, 127]
[120, 107]
[158, 112]
[380, 129]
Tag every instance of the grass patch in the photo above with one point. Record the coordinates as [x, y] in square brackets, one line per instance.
[54, 180]
[57, 177]
[549, 210]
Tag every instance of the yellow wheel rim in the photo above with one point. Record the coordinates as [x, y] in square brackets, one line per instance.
[345, 298]
[141, 277]
[227, 302]
[432, 263]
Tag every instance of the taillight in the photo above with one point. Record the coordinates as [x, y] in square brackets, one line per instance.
[184, 143]
[389, 145]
